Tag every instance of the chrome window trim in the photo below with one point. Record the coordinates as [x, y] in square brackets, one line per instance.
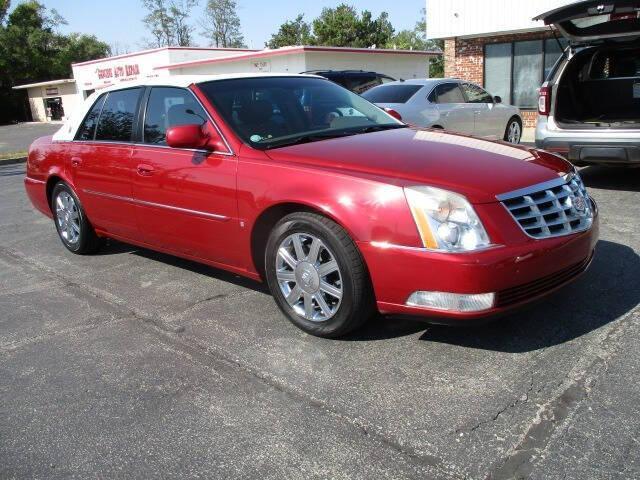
[213, 216]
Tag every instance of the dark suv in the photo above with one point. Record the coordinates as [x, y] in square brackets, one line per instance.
[589, 105]
[358, 81]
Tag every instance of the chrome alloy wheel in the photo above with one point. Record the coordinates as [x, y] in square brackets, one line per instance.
[309, 277]
[514, 133]
[68, 218]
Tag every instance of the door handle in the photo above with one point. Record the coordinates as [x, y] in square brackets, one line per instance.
[76, 162]
[145, 170]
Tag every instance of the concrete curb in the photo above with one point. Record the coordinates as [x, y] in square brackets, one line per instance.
[12, 161]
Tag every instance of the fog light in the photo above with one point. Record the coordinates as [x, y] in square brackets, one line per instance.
[452, 302]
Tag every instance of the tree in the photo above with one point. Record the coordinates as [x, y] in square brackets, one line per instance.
[167, 21]
[4, 8]
[344, 27]
[32, 50]
[416, 39]
[222, 24]
[293, 32]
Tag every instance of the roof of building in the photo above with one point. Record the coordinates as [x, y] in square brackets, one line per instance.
[42, 84]
[293, 50]
[160, 49]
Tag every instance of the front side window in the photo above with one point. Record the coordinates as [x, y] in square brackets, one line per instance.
[475, 94]
[169, 107]
[116, 119]
[276, 111]
[449, 93]
[395, 93]
[87, 128]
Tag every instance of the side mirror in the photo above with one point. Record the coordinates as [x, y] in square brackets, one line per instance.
[393, 113]
[194, 136]
[497, 99]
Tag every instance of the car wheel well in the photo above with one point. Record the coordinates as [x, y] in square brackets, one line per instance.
[52, 181]
[265, 223]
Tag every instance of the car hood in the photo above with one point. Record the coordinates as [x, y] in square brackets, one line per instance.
[479, 169]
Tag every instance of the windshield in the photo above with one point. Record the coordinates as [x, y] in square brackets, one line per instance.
[269, 112]
[394, 93]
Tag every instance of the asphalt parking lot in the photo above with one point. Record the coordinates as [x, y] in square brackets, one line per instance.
[136, 364]
[18, 137]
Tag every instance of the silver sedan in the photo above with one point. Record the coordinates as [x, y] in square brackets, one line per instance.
[451, 104]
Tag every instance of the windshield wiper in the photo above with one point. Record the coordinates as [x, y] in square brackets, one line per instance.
[378, 128]
[314, 137]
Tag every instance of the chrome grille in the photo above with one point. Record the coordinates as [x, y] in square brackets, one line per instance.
[551, 209]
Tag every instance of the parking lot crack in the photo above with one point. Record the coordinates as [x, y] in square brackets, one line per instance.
[552, 417]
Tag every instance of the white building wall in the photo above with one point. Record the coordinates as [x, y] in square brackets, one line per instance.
[460, 18]
[118, 70]
[396, 65]
[293, 63]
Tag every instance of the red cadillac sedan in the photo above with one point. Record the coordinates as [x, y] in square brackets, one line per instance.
[342, 209]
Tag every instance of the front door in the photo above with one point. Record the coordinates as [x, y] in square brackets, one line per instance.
[100, 162]
[185, 199]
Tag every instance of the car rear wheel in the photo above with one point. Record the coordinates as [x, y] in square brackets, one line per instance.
[513, 133]
[73, 228]
[317, 275]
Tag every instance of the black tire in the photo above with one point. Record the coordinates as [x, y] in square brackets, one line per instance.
[357, 303]
[506, 130]
[87, 242]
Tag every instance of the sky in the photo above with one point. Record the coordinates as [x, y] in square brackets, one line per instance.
[119, 22]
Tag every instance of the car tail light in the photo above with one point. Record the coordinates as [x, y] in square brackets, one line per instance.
[544, 101]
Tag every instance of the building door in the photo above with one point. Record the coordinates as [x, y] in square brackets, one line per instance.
[53, 108]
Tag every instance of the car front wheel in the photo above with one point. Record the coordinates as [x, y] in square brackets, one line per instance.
[317, 275]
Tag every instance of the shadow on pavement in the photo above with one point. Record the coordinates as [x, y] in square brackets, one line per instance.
[607, 291]
[611, 178]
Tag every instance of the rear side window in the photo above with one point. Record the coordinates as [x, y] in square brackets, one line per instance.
[88, 126]
[476, 94]
[391, 93]
[118, 113]
[449, 93]
[168, 107]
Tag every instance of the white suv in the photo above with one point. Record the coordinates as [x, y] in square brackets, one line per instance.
[589, 106]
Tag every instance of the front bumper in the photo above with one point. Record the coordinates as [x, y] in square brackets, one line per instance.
[517, 274]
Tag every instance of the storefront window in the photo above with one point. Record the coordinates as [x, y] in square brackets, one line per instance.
[515, 70]
[497, 65]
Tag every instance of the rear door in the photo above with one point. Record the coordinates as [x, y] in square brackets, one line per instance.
[454, 111]
[485, 116]
[100, 162]
[595, 21]
[185, 199]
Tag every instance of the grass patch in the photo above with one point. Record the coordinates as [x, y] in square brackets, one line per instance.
[12, 155]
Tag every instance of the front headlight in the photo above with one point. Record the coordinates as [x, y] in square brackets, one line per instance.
[446, 221]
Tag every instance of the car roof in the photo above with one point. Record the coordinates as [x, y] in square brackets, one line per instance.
[68, 130]
[421, 81]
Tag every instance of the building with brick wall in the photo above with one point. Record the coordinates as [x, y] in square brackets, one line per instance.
[496, 44]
